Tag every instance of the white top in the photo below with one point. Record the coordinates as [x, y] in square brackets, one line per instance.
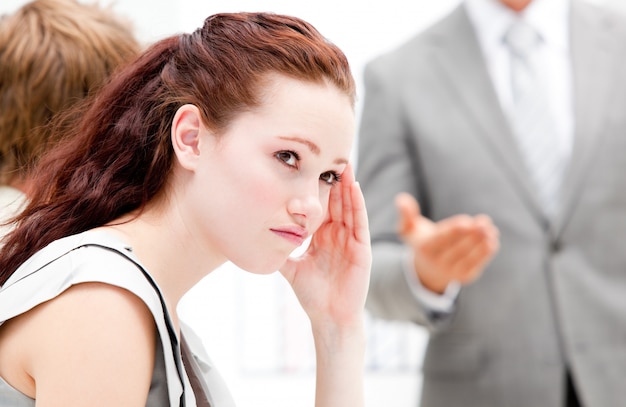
[99, 257]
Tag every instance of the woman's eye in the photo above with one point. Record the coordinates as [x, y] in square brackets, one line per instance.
[288, 157]
[330, 177]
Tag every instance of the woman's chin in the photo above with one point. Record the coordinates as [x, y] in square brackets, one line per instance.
[261, 269]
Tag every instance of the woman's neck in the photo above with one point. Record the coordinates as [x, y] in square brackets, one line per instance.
[174, 257]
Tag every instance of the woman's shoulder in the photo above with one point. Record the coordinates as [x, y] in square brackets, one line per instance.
[102, 248]
[95, 304]
[94, 257]
[91, 331]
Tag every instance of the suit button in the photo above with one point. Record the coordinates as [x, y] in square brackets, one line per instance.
[555, 246]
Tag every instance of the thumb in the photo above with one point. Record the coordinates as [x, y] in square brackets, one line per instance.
[409, 213]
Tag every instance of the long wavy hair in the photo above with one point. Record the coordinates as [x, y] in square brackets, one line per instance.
[118, 157]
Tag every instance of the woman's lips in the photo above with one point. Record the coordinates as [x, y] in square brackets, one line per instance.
[294, 234]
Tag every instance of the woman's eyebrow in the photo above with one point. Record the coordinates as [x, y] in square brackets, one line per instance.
[312, 146]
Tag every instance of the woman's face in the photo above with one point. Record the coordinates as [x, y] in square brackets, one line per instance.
[262, 187]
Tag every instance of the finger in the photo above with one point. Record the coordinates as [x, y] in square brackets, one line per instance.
[465, 254]
[479, 257]
[446, 233]
[487, 224]
[335, 204]
[359, 212]
[348, 175]
[409, 212]
[347, 180]
[475, 262]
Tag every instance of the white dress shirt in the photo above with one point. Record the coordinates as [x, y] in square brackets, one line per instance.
[552, 59]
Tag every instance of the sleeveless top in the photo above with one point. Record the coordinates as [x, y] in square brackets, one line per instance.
[95, 256]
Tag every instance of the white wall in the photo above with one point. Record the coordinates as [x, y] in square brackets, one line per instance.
[252, 325]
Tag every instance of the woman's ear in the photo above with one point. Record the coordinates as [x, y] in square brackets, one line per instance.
[186, 136]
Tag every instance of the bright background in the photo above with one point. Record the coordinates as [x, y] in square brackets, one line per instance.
[252, 326]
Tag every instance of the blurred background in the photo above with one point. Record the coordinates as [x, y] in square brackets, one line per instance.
[252, 326]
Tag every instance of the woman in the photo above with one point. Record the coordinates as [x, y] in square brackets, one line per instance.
[228, 144]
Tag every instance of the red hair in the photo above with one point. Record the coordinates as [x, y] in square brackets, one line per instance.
[118, 156]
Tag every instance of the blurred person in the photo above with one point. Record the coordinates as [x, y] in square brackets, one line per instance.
[227, 144]
[53, 53]
[506, 122]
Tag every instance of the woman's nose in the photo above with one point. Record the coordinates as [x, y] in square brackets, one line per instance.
[307, 203]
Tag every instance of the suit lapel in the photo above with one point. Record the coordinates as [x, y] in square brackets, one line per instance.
[459, 56]
[593, 50]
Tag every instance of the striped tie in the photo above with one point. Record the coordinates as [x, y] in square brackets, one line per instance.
[531, 120]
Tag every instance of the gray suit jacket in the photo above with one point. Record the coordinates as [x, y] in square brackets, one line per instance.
[555, 294]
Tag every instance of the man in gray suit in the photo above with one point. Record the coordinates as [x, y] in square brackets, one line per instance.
[526, 304]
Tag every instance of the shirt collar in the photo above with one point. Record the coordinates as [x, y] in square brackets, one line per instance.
[550, 18]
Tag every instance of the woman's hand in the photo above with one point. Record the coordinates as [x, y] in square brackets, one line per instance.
[331, 278]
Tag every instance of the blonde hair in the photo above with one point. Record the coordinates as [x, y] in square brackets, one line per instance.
[53, 53]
